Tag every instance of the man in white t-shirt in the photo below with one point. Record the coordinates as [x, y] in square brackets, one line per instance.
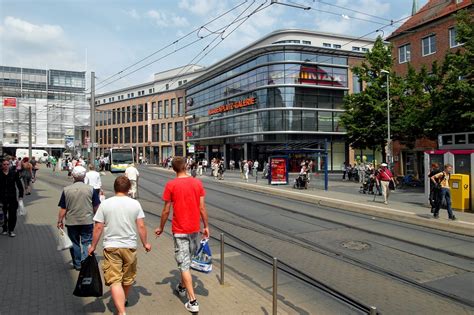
[132, 174]
[117, 217]
[93, 179]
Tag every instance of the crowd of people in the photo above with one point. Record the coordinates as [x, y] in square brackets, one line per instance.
[120, 219]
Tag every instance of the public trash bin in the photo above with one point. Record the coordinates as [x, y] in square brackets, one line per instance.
[460, 192]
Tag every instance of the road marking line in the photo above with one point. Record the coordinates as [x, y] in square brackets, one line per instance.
[226, 255]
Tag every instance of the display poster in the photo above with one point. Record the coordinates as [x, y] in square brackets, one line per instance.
[279, 171]
[9, 102]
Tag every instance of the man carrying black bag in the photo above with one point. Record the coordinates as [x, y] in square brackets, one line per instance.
[89, 282]
[119, 215]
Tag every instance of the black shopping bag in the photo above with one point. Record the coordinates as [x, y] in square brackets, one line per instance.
[89, 282]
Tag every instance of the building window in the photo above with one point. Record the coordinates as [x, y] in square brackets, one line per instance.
[128, 114]
[327, 45]
[178, 131]
[166, 110]
[356, 84]
[134, 113]
[184, 81]
[140, 134]
[365, 49]
[170, 132]
[127, 135]
[173, 107]
[119, 113]
[180, 82]
[306, 42]
[404, 53]
[163, 132]
[131, 94]
[180, 106]
[428, 45]
[167, 86]
[150, 91]
[155, 137]
[134, 134]
[160, 109]
[336, 46]
[140, 112]
[354, 48]
[452, 38]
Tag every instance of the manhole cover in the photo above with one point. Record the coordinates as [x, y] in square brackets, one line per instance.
[355, 245]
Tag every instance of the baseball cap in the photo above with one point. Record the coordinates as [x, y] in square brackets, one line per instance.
[79, 172]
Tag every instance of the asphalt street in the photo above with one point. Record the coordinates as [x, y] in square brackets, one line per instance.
[398, 267]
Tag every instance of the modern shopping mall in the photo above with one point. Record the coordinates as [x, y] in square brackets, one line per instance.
[286, 88]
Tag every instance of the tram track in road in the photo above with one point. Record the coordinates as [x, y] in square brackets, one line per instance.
[283, 236]
[264, 258]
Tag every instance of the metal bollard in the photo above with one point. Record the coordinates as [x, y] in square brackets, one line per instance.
[275, 285]
[222, 259]
[373, 310]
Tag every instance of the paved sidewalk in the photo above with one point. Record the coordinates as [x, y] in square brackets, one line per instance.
[38, 279]
[407, 205]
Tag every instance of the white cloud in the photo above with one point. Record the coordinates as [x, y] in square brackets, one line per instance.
[165, 19]
[345, 24]
[31, 45]
[202, 7]
[133, 14]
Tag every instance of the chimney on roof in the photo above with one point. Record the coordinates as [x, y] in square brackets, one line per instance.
[415, 7]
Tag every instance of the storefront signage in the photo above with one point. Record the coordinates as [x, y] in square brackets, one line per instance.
[231, 106]
[9, 102]
[317, 76]
[279, 171]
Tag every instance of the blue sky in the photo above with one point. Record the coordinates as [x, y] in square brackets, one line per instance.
[108, 35]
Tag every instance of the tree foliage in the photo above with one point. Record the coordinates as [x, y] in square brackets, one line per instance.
[424, 103]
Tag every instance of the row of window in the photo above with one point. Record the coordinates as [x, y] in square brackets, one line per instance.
[289, 97]
[136, 113]
[276, 120]
[428, 46]
[276, 74]
[306, 57]
[338, 46]
[139, 134]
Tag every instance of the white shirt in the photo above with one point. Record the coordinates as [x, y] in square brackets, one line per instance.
[119, 215]
[132, 173]
[93, 179]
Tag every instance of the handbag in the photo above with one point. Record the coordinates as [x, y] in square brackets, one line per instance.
[89, 282]
[202, 259]
[64, 242]
[21, 208]
[391, 185]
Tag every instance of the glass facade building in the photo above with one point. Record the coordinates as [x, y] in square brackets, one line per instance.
[269, 96]
[60, 112]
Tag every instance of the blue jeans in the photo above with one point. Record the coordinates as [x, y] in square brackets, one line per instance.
[445, 194]
[80, 235]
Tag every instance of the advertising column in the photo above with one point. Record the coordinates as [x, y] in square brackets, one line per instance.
[278, 170]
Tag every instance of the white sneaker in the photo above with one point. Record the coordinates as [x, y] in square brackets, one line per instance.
[12, 234]
[180, 290]
[192, 307]
[4, 233]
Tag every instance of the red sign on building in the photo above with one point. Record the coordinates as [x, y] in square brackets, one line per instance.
[9, 102]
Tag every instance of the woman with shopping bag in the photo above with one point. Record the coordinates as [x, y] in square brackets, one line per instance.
[9, 183]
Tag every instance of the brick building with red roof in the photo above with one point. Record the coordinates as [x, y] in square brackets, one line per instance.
[427, 36]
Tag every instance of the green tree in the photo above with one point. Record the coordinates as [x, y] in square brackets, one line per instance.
[365, 117]
[452, 108]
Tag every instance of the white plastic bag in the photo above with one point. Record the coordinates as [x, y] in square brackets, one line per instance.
[21, 208]
[63, 240]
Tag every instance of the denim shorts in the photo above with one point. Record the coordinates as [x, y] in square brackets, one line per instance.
[185, 245]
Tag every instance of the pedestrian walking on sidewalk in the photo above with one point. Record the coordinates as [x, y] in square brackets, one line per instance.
[245, 170]
[120, 214]
[132, 174]
[186, 194]
[9, 183]
[93, 179]
[77, 205]
[34, 168]
[384, 178]
[26, 174]
[442, 181]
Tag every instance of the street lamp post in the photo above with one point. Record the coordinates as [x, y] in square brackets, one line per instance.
[389, 140]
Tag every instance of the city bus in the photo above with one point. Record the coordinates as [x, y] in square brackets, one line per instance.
[119, 158]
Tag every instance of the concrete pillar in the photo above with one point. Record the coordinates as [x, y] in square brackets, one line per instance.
[246, 151]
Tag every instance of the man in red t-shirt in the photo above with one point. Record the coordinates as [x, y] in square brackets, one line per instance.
[383, 178]
[187, 196]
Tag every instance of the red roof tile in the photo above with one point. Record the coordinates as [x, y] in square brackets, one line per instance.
[431, 11]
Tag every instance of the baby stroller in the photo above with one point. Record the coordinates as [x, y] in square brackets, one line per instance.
[301, 182]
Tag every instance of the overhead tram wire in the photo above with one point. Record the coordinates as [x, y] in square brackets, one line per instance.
[352, 10]
[183, 47]
[172, 43]
[219, 34]
[222, 37]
